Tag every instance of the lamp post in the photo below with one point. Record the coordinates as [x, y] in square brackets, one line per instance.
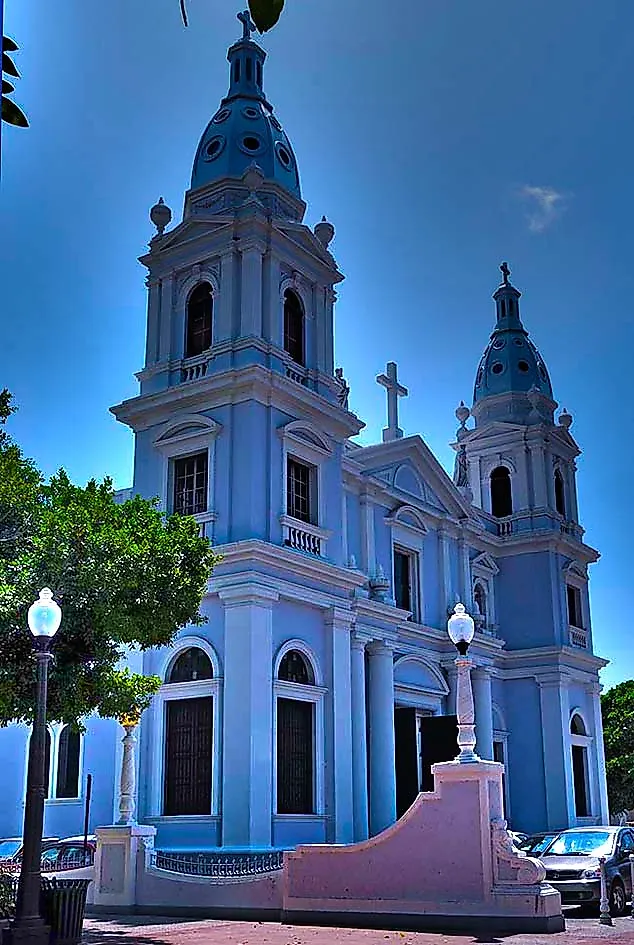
[461, 629]
[44, 619]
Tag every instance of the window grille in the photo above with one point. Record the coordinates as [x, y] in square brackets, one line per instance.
[299, 490]
[190, 484]
[293, 668]
[188, 754]
[294, 756]
[191, 665]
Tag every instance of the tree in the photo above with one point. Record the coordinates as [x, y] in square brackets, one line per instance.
[125, 575]
[617, 709]
[10, 111]
[264, 13]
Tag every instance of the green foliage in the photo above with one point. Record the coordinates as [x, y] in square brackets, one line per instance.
[617, 708]
[123, 574]
[126, 695]
[10, 111]
[7, 894]
[264, 13]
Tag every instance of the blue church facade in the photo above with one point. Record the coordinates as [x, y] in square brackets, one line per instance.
[312, 704]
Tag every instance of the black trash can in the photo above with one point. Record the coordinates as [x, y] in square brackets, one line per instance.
[62, 905]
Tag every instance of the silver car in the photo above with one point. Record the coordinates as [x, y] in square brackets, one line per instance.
[572, 865]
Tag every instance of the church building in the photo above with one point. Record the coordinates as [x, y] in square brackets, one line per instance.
[312, 704]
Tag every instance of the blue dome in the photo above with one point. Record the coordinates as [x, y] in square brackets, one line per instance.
[511, 362]
[244, 130]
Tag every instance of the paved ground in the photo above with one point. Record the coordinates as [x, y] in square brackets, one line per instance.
[157, 930]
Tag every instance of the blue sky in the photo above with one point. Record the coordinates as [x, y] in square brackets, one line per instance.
[439, 137]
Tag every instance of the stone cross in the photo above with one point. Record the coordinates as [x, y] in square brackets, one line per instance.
[506, 272]
[248, 26]
[395, 390]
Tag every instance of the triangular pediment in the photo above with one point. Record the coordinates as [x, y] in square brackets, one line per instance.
[191, 229]
[485, 564]
[495, 428]
[414, 474]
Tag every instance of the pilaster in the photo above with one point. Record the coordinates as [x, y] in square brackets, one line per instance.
[558, 782]
[166, 299]
[598, 765]
[340, 623]
[251, 302]
[540, 483]
[247, 775]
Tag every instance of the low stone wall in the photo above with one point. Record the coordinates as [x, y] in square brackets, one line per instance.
[447, 863]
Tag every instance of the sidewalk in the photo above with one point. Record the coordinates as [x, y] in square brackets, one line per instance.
[159, 930]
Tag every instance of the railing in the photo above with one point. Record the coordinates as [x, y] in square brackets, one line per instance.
[298, 375]
[218, 865]
[302, 540]
[505, 527]
[578, 637]
[193, 370]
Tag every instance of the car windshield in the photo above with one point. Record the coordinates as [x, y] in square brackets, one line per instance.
[9, 848]
[534, 846]
[588, 843]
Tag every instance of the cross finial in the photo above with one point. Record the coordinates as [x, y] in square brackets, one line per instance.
[389, 380]
[248, 26]
[506, 272]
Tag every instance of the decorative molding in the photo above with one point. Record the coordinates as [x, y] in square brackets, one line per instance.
[509, 866]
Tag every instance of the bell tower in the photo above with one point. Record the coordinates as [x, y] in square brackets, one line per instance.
[239, 344]
[517, 465]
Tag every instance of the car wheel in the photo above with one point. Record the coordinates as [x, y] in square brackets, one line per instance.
[617, 898]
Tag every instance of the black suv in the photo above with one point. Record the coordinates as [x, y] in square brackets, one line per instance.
[572, 865]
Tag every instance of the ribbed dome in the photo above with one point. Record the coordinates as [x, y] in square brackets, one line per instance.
[244, 130]
[511, 362]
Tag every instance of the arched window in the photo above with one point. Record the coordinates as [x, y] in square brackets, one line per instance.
[579, 738]
[501, 497]
[294, 668]
[560, 495]
[293, 326]
[68, 746]
[480, 600]
[188, 738]
[191, 665]
[295, 740]
[199, 313]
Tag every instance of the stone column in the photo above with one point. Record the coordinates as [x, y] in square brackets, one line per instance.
[247, 745]
[541, 491]
[153, 308]
[381, 729]
[481, 677]
[340, 623]
[127, 784]
[598, 762]
[465, 568]
[444, 564]
[359, 744]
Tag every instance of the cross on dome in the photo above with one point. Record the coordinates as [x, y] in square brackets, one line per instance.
[506, 272]
[389, 380]
[248, 26]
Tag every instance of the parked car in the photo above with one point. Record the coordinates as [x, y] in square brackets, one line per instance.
[9, 846]
[58, 854]
[572, 865]
[11, 849]
[537, 843]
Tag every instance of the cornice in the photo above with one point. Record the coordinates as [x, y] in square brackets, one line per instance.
[235, 386]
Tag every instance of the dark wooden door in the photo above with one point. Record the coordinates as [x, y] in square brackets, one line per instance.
[188, 752]
[439, 742]
[294, 757]
[406, 751]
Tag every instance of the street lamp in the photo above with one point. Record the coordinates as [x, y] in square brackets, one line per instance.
[44, 619]
[461, 629]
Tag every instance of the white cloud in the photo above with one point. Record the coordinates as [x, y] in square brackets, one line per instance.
[545, 205]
